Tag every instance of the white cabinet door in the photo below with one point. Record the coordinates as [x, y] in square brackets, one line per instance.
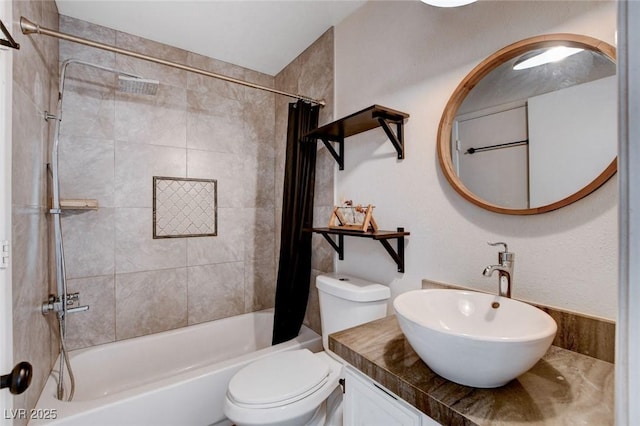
[367, 403]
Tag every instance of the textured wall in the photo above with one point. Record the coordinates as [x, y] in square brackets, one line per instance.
[113, 143]
[311, 74]
[35, 84]
[566, 258]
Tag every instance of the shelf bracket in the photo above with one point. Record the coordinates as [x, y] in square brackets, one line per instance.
[9, 41]
[339, 248]
[338, 156]
[397, 139]
[397, 256]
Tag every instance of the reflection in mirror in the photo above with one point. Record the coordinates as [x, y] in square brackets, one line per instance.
[535, 139]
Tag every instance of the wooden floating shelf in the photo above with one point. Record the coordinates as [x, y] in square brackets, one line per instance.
[382, 236]
[361, 121]
[78, 204]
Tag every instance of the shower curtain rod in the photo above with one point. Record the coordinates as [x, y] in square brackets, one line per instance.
[29, 27]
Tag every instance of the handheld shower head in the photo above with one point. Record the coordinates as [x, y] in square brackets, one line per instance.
[139, 86]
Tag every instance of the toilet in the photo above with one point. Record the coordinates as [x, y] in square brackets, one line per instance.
[300, 387]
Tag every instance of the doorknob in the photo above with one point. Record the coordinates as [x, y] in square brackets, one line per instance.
[19, 379]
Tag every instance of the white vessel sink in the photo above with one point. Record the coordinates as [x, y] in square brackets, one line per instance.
[474, 339]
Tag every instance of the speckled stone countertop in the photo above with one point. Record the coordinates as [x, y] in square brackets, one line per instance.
[563, 388]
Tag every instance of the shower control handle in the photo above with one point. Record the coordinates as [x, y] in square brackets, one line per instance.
[55, 304]
[51, 304]
[19, 379]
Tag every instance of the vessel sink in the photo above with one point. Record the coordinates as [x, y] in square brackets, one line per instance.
[471, 338]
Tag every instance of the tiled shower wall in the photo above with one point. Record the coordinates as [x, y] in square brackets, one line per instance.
[310, 73]
[35, 84]
[112, 144]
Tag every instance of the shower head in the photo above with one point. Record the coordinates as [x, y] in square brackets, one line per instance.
[136, 85]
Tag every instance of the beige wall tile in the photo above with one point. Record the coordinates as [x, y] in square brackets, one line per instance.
[90, 31]
[28, 164]
[34, 81]
[225, 168]
[150, 302]
[218, 100]
[29, 255]
[259, 234]
[98, 324]
[325, 169]
[166, 75]
[86, 169]
[135, 166]
[88, 103]
[89, 243]
[312, 315]
[201, 83]
[259, 152]
[218, 133]
[215, 291]
[323, 254]
[159, 119]
[227, 246]
[259, 179]
[260, 284]
[38, 57]
[136, 250]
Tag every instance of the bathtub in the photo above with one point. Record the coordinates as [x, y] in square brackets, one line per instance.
[177, 377]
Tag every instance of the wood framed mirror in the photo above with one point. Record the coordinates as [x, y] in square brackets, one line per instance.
[537, 139]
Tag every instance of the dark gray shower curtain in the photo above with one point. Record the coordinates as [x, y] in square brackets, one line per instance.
[294, 269]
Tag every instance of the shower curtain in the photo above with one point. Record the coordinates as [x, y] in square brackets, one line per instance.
[294, 269]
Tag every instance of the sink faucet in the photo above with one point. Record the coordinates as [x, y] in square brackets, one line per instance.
[505, 270]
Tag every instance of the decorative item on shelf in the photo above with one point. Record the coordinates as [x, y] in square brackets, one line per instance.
[353, 218]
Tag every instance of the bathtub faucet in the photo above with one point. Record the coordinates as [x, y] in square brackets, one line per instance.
[56, 304]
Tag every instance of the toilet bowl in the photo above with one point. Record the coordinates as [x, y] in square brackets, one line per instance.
[300, 387]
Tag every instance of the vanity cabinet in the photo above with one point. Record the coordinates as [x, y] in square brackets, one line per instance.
[366, 403]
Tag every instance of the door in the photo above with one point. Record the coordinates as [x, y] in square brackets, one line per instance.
[6, 310]
[487, 165]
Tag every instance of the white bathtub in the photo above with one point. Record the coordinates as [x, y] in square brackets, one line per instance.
[177, 377]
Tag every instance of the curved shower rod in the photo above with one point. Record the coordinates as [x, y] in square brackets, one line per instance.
[29, 27]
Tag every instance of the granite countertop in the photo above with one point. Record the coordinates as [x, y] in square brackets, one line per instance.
[563, 388]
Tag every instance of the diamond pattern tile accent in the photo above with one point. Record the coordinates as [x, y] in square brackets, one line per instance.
[184, 207]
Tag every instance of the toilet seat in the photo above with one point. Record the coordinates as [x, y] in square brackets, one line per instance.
[289, 410]
[278, 380]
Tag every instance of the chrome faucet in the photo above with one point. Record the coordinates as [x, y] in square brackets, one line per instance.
[505, 270]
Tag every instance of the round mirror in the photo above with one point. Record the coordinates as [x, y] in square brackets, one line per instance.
[534, 126]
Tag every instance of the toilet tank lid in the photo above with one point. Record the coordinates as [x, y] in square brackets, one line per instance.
[352, 288]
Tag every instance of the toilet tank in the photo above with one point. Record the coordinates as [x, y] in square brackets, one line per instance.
[347, 301]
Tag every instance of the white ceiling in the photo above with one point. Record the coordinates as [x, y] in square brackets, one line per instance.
[263, 35]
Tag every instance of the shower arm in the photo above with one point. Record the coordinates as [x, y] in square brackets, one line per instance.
[29, 27]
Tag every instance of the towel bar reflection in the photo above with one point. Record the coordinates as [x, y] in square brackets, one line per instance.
[498, 146]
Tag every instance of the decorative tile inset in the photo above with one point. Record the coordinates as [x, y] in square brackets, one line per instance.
[184, 207]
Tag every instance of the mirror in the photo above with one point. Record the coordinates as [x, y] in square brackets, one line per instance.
[537, 139]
